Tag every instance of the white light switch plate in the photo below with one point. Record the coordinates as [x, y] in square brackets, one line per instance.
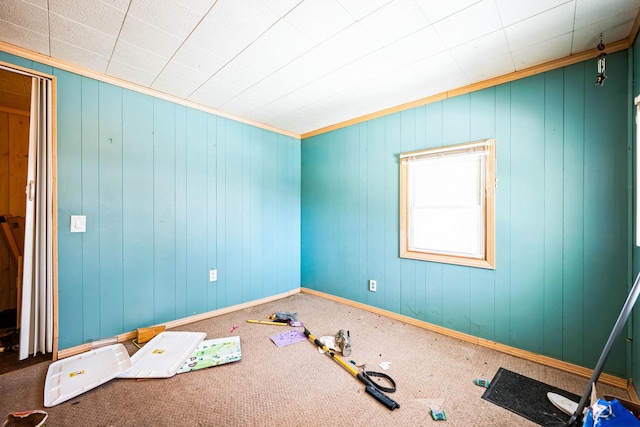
[78, 223]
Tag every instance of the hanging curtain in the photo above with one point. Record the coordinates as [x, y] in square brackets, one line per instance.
[36, 323]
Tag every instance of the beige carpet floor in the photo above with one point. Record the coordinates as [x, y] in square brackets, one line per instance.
[296, 385]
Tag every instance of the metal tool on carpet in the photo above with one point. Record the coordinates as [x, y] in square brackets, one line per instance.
[343, 341]
[365, 377]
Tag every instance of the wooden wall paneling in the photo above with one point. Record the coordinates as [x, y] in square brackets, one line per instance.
[5, 254]
[233, 207]
[433, 278]
[90, 192]
[353, 194]
[606, 233]
[392, 280]
[409, 140]
[213, 143]
[137, 210]
[527, 209]
[252, 222]
[111, 210]
[164, 211]
[553, 208]
[456, 129]
[221, 212]
[421, 293]
[180, 162]
[70, 190]
[197, 275]
[294, 167]
[333, 217]
[245, 240]
[482, 281]
[18, 161]
[573, 215]
[502, 307]
[376, 200]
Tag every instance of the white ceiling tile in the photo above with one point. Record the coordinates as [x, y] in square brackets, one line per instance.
[40, 3]
[319, 19]
[78, 56]
[304, 64]
[589, 12]
[438, 10]
[25, 15]
[612, 29]
[348, 45]
[514, 11]
[421, 44]
[280, 45]
[280, 7]
[144, 35]
[216, 40]
[361, 8]
[545, 51]
[137, 57]
[24, 37]
[74, 33]
[395, 21]
[99, 16]
[201, 7]
[544, 26]
[243, 104]
[168, 15]
[239, 74]
[198, 59]
[179, 80]
[121, 5]
[215, 92]
[130, 73]
[267, 93]
[482, 48]
[485, 57]
[226, 31]
[247, 19]
[283, 42]
[463, 26]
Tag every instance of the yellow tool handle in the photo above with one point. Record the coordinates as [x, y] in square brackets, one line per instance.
[264, 322]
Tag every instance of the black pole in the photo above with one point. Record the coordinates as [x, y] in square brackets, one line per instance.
[617, 328]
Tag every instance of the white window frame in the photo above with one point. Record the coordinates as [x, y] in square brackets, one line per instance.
[447, 204]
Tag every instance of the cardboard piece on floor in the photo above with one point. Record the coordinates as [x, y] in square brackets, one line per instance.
[163, 355]
[67, 378]
[213, 352]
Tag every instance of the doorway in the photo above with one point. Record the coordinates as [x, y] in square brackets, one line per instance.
[16, 90]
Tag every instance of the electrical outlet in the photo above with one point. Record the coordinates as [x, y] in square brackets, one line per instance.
[373, 285]
[213, 275]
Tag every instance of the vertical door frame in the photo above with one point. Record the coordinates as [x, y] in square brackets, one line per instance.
[54, 192]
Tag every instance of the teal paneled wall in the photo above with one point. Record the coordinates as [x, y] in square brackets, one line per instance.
[635, 316]
[561, 214]
[169, 192]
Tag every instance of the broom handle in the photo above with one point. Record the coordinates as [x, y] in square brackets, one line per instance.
[370, 387]
[617, 328]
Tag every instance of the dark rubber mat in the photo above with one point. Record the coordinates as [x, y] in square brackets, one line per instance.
[527, 397]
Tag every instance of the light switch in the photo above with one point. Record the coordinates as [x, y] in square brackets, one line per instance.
[78, 223]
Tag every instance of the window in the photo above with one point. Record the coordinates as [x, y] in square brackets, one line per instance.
[447, 204]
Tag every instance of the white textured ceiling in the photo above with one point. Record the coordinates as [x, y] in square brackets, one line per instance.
[301, 65]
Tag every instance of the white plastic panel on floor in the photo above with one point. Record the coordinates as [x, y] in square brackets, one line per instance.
[75, 375]
[163, 355]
